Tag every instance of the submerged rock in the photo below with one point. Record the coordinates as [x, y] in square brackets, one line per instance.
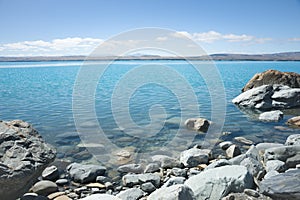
[271, 116]
[267, 97]
[271, 77]
[197, 124]
[23, 157]
[218, 182]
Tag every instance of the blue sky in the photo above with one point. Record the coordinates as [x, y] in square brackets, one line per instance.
[67, 27]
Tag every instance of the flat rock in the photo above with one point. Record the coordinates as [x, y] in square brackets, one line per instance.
[85, 173]
[271, 116]
[131, 194]
[44, 188]
[218, 182]
[294, 121]
[243, 140]
[197, 124]
[175, 192]
[193, 157]
[282, 186]
[271, 77]
[293, 140]
[23, 157]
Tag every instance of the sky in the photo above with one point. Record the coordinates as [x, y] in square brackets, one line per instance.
[76, 27]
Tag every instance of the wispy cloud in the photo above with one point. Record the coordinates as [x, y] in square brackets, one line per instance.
[213, 36]
[66, 46]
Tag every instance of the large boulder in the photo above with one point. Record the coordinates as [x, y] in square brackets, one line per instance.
[218, 182]
[267, 97]
[23, 157]
[174, 192]
[271, 77]
[282, 186]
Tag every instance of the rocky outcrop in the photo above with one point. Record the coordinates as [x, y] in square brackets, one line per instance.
[271, 77]
[23, 157]
[269, 97]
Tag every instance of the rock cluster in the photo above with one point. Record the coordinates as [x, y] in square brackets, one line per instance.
[23, 157]
[271, 77]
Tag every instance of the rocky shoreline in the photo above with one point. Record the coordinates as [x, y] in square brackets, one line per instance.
[233, 169]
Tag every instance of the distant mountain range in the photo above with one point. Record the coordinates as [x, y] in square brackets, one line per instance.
[286, 56]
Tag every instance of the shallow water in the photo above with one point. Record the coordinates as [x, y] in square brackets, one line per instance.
[41, 93]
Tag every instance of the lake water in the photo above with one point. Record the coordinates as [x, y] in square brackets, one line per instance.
[41, 93]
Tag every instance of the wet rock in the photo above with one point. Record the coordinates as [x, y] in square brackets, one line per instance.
[85, 173]
[44, 188]
[175, 192]
[293, 140]
[131, 168]
[193, 157]
[23, 157]
[269, 97]
[233, 151]
[282, 186]
[276, 165]
[295, 121]
[131, 194]
[218, 182]
[271, 77]
[50, 173]
[197, 124]
[166, 161]
[271, 116]
[225, 145]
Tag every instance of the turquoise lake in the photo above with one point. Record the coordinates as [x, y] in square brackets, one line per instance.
[41, 93]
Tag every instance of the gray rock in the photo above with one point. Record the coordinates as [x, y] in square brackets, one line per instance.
[193, 157]
[197, 124]
[23, 157]
[268, 97]
[218, 163]
[293, 140]
[149, 177]
[288, 154]
[253, 166]
[62, 182]
[166, 161]
[85, 173]
[261, 147]
[130, 180]
[102, 179]
[276, 165]
[148, 187]
[174, 181]
[44, 188]
[270, 174]
[50, 173]
[271, 116]
[175, 192]
[282, 186]
[233, 151]
[152, 167]
[131, 168]
[218, 182]
[225, 145]
[244, 196]
[101, 197]
[179, 172]
[131, 194]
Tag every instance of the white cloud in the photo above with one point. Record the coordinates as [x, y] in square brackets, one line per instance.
[66, 46]
[212, 36]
